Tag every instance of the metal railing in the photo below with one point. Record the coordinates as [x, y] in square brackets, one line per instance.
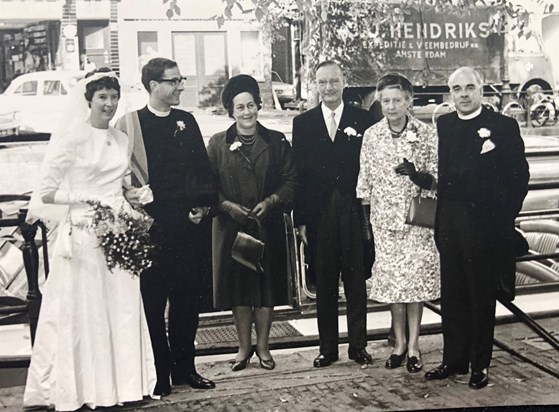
[30, 255]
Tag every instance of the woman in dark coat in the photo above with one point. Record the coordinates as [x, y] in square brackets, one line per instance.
[256, 176]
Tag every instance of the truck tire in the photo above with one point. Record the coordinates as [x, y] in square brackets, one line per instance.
[540, 113]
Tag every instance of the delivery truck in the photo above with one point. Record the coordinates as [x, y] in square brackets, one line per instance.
[428, 45]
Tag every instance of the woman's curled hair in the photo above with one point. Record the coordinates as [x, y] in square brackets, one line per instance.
[107, 82]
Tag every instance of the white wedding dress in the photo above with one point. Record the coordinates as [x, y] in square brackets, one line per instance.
[92, 345]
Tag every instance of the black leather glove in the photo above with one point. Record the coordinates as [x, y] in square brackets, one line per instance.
[405, 168]
[366, 228]
[236, 211]
[368, 240]
[262, 208]
[421, 179]
[368, 256]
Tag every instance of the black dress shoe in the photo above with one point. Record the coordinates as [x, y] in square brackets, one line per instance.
[162, 388]
[324, 360]
[395, 361]
[360, 356]
[267, 364]
[479, 379]
[414, 364]
[242, 364]
[443, 371]
[195, 381]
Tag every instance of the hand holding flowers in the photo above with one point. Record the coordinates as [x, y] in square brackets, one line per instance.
[123, 237]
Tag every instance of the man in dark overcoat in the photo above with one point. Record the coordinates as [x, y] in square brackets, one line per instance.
[169, 154]
[482, 182]
[326, 148]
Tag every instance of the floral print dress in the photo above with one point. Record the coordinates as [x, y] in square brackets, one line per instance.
[407, 263]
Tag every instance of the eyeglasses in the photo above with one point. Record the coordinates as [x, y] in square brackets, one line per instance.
[175, 81]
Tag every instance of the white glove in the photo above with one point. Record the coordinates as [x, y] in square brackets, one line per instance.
[62, 197]
[145, 195]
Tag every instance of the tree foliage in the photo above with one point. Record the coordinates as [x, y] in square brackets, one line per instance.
[338, 27]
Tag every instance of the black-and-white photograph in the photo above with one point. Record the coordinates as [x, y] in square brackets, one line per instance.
[279, 205]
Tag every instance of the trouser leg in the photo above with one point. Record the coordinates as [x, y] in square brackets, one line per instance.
[455, 301]
[327, 279]
[184, 302]
[353, 272]
[154, 296]
[482, 305]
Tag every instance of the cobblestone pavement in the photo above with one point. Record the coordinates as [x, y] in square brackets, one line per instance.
[345, 386]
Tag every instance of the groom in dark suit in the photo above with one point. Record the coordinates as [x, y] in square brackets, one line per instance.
[482, 182]
[168, 152]
[326, 147]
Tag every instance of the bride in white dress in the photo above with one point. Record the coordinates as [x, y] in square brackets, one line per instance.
[92, 345]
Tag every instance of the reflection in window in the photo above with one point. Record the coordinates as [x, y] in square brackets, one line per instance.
[214, 54]
[251, 54]
[51, 88]
[184, 53]
[147, 47]
[27, 88]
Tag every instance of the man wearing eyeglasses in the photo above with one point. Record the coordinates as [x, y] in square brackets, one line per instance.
[169, 154]
[326, 147]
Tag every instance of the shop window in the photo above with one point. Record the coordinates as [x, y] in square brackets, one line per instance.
[27, 88]
[51, 88]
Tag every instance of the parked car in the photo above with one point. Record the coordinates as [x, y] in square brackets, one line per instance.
[9, 123]
[284, 91]
[39, 98]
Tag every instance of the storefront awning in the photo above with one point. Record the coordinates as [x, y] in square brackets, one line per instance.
[18, 13]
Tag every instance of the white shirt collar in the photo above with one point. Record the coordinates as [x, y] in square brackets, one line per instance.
[157, 112]
[327, 113]
[471, 115]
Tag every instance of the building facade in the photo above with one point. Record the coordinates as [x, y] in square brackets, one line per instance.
[76, 35]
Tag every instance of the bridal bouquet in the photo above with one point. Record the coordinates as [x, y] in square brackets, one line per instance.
[123, 237]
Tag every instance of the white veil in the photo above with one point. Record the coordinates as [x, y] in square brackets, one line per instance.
[76, 113]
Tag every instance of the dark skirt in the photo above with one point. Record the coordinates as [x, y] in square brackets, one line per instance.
[236, 285]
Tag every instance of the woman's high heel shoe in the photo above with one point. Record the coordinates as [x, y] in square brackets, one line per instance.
[414, 364]
[395, 361]
[267, 364]
[242, 364]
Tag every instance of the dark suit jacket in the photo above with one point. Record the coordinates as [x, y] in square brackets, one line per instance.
[494, 184]
[323, 164]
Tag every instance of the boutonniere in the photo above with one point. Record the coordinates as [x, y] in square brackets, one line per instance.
[351, 132]
[411, 136]
[484, 133]
[235, 145]
[180, 127]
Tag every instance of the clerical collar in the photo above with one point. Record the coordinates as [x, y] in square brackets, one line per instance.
[471, 115]
[157, 112]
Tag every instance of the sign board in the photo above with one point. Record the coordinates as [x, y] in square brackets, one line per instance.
[428, 46]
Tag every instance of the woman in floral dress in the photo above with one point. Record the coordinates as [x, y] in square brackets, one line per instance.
[398, 162]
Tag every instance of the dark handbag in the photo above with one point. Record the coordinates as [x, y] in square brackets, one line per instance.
[422, 212]
[248, 250]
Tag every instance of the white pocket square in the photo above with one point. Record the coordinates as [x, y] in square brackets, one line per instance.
[488, 145]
